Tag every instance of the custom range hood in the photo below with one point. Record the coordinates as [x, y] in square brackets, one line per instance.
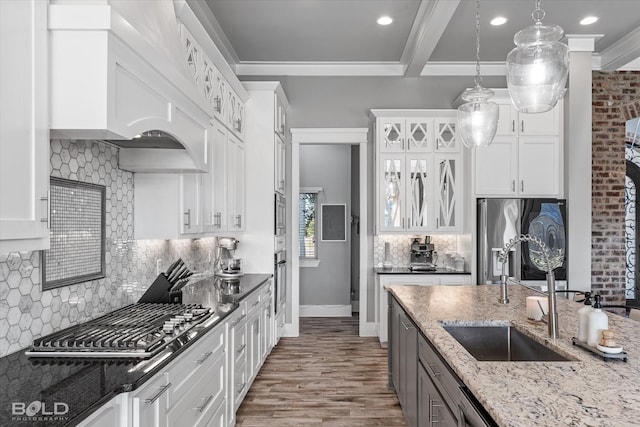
[119, 74]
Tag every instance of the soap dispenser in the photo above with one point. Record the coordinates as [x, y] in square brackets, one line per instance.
[598, 321]
[583, 318]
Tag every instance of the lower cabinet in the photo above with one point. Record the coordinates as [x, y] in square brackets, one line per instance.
[430, 393]
[431, 407]
[206, 384]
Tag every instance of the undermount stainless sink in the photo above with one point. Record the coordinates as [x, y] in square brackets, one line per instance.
[502, 344]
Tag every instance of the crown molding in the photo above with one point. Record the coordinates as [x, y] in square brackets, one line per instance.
[314, 68]
[464, 68]
[622, 52]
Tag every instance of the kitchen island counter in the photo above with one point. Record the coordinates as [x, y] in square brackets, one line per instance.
[85, 384]
[583, 391]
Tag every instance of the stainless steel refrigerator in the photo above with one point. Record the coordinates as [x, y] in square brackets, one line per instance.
[499, 220]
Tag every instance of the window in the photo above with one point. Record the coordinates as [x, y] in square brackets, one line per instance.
[308, 208]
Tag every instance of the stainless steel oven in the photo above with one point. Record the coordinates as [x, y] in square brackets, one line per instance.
[280, 279]
[280, 226]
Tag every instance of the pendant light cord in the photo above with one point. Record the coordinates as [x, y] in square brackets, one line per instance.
[478, 79]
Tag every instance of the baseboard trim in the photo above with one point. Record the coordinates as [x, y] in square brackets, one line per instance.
[369, 329]
[325, 311]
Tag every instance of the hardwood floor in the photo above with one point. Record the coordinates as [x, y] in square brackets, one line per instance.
[329, 376]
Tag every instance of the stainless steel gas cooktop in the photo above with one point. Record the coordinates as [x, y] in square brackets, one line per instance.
[135, 331]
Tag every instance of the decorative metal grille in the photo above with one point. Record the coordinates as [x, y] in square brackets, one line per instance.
[77, 234]
[632, 155]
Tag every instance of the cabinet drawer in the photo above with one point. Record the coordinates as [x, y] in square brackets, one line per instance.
[191, 364]
[240, 384]
[438, 371]
[202, 398]
[240, 343]
[253, 301]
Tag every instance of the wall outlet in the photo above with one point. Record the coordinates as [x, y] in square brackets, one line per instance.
[158, 266]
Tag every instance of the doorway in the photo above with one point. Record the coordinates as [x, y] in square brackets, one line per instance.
[330, 136]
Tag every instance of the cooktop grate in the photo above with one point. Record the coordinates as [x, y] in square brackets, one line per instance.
[132, 331]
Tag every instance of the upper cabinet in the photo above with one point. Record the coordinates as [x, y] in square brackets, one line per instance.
[418, 171]
[24, 134]
[526, 156]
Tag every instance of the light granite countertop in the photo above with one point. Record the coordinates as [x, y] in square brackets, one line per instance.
[586, 391]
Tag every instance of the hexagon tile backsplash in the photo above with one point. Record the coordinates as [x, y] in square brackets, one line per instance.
[27, 312]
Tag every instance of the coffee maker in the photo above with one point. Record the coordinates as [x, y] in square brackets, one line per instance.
[423, 255]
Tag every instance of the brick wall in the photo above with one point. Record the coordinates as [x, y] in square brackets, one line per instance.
[615, 96]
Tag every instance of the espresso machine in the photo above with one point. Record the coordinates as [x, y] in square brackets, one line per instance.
[423, 255]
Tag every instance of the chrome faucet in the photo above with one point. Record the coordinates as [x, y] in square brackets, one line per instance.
[551, 279]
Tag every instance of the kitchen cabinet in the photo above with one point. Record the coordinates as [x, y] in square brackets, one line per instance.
[526, 156]
[167, 205]
[235, 184]
[237, 360]
[227, 105]
[225, 184]
[110, 414]
[430, 393]
[432, 410]
[418, 172]
[513, 123]
[405, 357]
[381, 296]
[526, 166]
[24, 127]
[190, 391]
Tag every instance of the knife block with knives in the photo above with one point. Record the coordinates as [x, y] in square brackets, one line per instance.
[167, 288]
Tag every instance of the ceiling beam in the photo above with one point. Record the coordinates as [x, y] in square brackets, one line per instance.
[621, 52]
[431, 20]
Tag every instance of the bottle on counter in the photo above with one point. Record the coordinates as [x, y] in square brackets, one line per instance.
[598, 321]
[583, 318]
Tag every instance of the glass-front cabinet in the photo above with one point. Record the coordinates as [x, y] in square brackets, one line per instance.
[418, 171]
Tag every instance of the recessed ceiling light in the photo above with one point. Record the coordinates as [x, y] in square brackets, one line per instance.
[498, 20]
[385, 20]
[588, 20]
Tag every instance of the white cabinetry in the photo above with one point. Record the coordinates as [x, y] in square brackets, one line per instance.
[112, 413]
[190, 391]
[24, 130]
[167, 206]
[418, 171]
[526, 156]
[381, 301]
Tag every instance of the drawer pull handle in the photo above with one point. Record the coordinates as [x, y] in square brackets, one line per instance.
[242, 386]
[47, 219]
[204, 405]
[205, 356]
[407, 327]
[239, 319]
[433, 367]
[158, 394]
[241, 349]
[255, 303]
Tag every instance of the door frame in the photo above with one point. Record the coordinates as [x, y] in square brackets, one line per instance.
[327, 136]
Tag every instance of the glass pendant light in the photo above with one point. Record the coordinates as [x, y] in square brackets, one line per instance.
[478, 117]
[537, 68]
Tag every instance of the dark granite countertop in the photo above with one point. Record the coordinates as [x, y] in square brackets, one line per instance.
[405, 270]
[86, 384]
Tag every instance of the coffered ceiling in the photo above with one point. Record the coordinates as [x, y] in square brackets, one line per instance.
[426, 37]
